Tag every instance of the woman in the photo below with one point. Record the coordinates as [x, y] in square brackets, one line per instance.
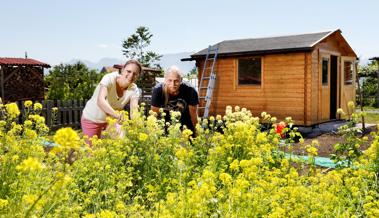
[114, 91]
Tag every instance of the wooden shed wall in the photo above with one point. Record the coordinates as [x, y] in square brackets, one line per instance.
[281, 93]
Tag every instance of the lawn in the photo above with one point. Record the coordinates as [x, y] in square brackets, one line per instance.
[372, 118]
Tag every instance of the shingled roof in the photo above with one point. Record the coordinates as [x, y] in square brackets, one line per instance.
[22, 61]
[255, 46]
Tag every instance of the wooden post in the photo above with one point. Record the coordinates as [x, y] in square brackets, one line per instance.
[59, 115]
[64, 113]
[2, 84]
[49, 111]
[70, 110]
[360, 93]
[75, 113]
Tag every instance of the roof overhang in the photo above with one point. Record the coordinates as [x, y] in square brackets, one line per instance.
[250, 53]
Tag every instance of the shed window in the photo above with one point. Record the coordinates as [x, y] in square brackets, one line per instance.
[249, 71]
[348, 72]
[325, 66]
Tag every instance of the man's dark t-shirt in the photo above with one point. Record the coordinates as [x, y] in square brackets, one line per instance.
[187, 96]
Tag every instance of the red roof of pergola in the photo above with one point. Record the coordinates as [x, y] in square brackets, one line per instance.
[22, 62]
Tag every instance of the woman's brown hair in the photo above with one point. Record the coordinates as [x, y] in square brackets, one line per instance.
[133, 62]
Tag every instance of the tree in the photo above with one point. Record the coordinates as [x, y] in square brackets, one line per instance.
[193, 73]
[74, 81]
[135, 48]
[369, 86]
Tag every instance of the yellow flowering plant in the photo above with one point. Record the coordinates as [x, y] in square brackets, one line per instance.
[159, 170]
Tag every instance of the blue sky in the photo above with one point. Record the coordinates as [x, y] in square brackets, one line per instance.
[58, 31]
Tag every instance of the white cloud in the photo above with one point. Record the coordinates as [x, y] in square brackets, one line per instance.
[102, 45]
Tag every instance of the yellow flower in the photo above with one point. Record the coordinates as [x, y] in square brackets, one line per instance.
[3, 123]
[28, 124]
[12, 110]
[67, 138]
[245, 163]
[28, 103]
[187, 133]
[225, 178]
[143, 137]
[40, 119]
[263, 114]
[211, 118]
[15, 157]
[37, 106]
[181, 153]
[351, 105]
[120, 206]
[106, 214]
[312, 151]
[234, 165]
[30, 134]
[29, 199]
[3, 203]
[30, 164]
[340, 111]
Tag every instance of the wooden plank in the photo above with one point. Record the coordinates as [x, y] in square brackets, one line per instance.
[49, 111]
[69, 111]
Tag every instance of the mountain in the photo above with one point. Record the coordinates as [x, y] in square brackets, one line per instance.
[167, 60]
[98, 65]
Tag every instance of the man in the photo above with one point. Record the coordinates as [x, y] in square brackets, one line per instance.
[178, 96]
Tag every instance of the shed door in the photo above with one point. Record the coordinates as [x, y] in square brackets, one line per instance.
[348, 79]
[333, 86]
[324, 76]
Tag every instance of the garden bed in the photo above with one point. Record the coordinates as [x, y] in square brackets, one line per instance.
[327, 140]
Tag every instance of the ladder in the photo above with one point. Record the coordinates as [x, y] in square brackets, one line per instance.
[207, 81]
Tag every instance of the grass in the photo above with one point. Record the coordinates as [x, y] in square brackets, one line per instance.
[372, 118]
[369, 108]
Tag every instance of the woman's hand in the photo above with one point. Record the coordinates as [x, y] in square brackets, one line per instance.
[119, 118]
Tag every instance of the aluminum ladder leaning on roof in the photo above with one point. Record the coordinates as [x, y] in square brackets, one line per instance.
[207, 81]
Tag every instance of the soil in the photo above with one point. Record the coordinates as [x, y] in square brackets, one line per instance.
[327, 140]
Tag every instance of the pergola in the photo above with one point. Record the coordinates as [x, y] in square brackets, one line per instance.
[21, 79]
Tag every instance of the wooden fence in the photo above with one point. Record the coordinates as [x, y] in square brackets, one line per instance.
[69, 112]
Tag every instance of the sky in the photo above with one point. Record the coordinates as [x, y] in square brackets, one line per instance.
[59, 31]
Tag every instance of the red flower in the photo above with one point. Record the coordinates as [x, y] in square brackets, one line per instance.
[279, 129]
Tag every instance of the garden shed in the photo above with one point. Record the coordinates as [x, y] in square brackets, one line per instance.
[305, 76]
[21, 79]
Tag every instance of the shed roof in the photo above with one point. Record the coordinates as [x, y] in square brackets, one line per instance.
[22, 62]
[268, 45]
